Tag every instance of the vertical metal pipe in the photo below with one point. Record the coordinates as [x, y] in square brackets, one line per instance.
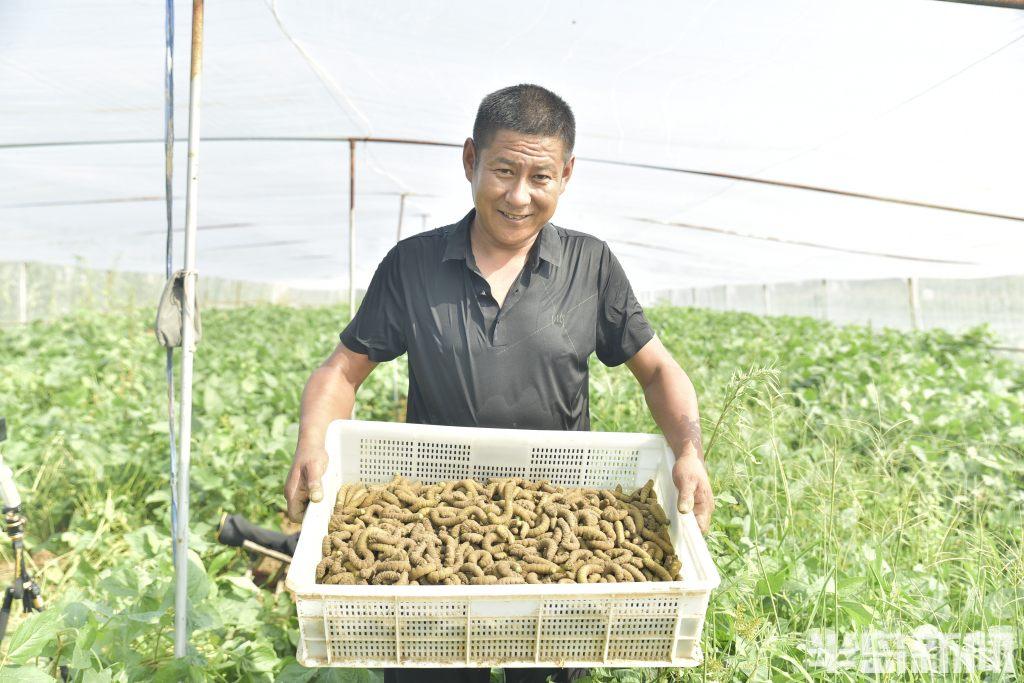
[351, 229]
[169, 133]
[188, 346]
[169, 248]
[22, 292]
[401, 213]
[915, 303]
[824, 299]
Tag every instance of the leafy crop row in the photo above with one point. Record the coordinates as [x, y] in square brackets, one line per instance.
[864, 479]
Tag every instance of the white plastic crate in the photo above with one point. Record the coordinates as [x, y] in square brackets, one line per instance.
[650, 623]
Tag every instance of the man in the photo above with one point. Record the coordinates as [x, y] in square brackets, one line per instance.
[499, 314]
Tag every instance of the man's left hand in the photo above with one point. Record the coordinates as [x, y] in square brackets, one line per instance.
[691, 478]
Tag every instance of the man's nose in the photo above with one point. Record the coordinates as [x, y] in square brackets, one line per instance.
[519, 194]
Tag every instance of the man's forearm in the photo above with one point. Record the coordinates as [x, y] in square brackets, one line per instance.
[328, 396]
[673, 403]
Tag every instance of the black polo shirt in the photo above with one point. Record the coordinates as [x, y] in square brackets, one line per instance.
[475, 364]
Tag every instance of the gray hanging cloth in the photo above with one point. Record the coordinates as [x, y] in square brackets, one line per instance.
[169, 313]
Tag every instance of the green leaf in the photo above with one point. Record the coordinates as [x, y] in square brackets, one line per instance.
[243, 584]
[81, 657]
[204, 616]
[24, 674]
[725, 497]
[628, 676]
[198, 581]
[771, 583]
[76, 614]
[221, 560]
[103, 676]
[32, 636]
[860, 614]
[213, 404]
[348, 676]
[177, 670]
[261, 658]
[293, 672]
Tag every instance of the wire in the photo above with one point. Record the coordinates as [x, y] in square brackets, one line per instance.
[336, 93]
[344, 102]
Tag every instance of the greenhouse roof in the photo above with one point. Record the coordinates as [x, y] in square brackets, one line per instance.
[919, 102]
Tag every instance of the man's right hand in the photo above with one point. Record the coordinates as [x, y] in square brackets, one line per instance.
[303, 483]
[330, 393]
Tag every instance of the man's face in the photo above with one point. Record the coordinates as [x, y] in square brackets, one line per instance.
[516, 180]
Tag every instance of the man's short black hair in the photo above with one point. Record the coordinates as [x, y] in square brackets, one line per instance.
[525, 108]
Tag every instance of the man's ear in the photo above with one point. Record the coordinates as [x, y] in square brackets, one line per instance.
[469, 158]
[567, 171]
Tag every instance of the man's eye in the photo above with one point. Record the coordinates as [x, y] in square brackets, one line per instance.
[542, 177]
[504, 170]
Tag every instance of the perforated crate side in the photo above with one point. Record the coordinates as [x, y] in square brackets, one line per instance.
[591, 625]
[361, 630]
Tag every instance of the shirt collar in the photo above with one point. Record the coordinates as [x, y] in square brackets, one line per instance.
[548, 246]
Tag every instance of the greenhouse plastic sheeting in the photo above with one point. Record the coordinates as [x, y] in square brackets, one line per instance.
[40, 291]
[913, 100]
[952, 305]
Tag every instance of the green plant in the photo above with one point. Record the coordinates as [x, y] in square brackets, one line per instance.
[864, 479]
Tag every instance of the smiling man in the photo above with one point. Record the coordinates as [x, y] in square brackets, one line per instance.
[499, 314]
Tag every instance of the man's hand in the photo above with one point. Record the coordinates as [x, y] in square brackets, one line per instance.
[303, 483]
[691, 478]
[329, 394]
[673, 402]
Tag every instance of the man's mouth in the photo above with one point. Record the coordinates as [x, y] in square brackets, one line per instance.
[515, 218]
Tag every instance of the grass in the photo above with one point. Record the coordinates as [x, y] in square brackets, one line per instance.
[866, 480]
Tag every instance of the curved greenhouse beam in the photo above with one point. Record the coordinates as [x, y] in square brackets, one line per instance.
[610, 162]
[799, 243]
[1011, 4]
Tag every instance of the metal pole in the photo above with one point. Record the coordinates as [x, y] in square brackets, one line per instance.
[169, 251]
[351, 229]
[169, 137]
[824, 299]
[22, 292]
[401, 212]
[188, 338]
[915, 303]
